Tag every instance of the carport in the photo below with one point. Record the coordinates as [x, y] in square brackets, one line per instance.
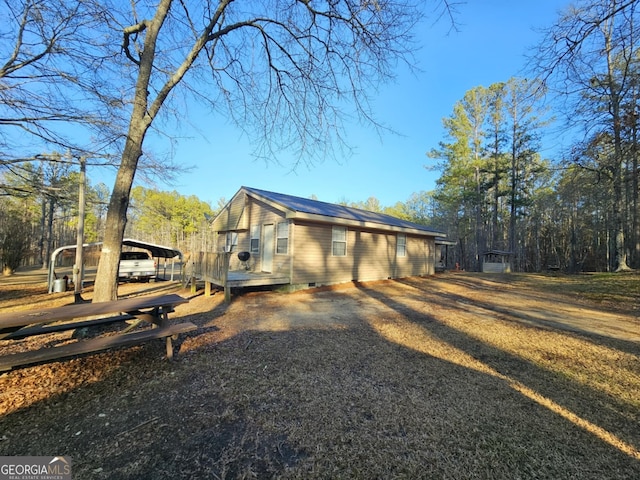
[157, 251]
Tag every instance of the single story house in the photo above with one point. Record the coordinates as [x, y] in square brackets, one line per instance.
[304, 242]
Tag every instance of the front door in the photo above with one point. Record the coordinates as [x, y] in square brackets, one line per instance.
[267, 248]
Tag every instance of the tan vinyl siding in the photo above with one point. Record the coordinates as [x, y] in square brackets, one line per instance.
[312, 244]
[234, 215]
[371, 255]
[430, 254]
[419, 259]
[261, 214]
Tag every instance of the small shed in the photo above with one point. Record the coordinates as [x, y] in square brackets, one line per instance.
[496, 261]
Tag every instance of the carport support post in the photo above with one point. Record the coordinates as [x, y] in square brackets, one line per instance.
[78, 268]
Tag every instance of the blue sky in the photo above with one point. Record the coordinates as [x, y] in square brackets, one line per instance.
[489, 46]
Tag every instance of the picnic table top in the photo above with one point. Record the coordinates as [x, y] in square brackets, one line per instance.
[73, 311]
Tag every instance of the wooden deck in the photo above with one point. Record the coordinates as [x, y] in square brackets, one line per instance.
[239, 278]
[214, 268]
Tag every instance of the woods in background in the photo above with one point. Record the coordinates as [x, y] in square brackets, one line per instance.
[39, 213]
[577, 208]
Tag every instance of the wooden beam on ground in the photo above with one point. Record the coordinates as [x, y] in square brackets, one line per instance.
[42, 330]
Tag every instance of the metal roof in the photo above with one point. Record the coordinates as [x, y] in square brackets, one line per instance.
[156, 250]
[497, 252]
[335, 211]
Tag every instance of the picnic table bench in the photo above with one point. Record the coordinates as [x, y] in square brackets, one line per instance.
[150, 309]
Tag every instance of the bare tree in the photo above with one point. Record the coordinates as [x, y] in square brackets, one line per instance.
[588, 57]
[50, 87]
[289, 71]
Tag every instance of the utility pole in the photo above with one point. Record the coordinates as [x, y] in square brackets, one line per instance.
[78, 268]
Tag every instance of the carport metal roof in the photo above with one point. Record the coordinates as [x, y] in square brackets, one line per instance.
[157, 251]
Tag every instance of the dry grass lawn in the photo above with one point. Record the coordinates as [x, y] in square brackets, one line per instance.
[458, 376]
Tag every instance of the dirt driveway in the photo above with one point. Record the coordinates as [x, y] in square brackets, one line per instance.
[489, 297]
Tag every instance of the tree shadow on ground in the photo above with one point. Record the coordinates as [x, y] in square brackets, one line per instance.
[591, 407]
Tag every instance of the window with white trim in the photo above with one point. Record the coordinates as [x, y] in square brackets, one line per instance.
[339, 241]
[401, 245]
[282, 238]
[254, 242]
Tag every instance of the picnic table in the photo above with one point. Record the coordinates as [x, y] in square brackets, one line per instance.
[152, 310]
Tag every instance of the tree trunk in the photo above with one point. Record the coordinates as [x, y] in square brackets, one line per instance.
[49, 233]
[513, 196]
[618, 169]
[618, 217]
[496, 206]
[618, 184]
[106, 283]
[635, 207]
[43, 260]
[480, 243]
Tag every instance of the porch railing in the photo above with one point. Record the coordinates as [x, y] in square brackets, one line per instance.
[213, 268]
